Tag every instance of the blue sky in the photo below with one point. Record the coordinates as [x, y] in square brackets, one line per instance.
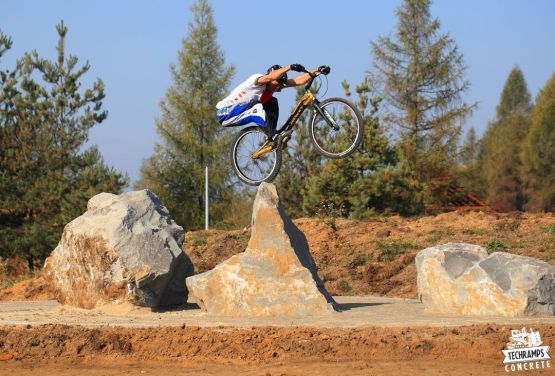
[131, 43]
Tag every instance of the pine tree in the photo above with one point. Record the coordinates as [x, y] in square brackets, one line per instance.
[300, 161]
[348, 187]
[469, 172]
[539, 152]
[420, 76]
[502, 145]
[191, 136]
[43, 127]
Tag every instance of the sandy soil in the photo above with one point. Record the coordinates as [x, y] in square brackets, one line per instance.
[69, 350]
[369, 336]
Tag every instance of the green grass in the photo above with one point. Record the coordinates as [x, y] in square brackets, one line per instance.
[391, 249]
[480, 231]
[199, 240]
[437, 235]
[360, 260]
[344, 286]
[495, 245]
[234, 236]
[331, 223]
[551, 229]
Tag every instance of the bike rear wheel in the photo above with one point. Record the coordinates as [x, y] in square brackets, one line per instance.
[249, 170]
[343, 136]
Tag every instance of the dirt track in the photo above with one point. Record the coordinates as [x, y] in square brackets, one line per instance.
[71, 350]
[353, 312]
[371, 336]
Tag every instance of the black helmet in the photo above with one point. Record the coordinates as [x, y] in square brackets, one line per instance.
[283, 79]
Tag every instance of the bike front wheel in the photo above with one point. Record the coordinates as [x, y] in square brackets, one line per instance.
[336, 130]
[250, 160]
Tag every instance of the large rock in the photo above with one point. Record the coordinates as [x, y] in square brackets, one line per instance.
[275, 276]
[125, 247]
[463, 279]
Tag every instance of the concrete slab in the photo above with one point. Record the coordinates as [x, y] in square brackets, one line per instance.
[356, 311]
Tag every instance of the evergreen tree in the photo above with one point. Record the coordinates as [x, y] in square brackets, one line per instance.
[502, 143]
[300, 161]
[470, 150]
[191, 136]
[420, 76]
[355, 186]
[469, 172]
[539, 152]
[43, 126]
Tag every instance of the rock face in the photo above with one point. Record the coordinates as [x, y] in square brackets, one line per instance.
[275, 276]
[124, 247]
[463, 279]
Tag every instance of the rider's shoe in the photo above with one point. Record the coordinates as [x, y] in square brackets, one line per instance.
[284, 137]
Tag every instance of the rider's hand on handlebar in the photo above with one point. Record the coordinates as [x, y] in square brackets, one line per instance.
[324, 69]
[297, 68]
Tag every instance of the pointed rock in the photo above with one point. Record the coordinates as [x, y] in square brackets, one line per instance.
[275, 276]
[124, 247]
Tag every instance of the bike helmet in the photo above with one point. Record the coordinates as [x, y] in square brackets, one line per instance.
[283, 79]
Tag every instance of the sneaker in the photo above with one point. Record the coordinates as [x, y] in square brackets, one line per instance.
[284, 137]
[270, 132]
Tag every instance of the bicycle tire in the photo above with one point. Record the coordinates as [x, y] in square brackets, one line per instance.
[241, 160]
[319, 129]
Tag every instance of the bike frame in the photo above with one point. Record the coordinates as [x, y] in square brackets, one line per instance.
[307, 100]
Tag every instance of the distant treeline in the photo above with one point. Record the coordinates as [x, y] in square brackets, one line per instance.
[413, 107]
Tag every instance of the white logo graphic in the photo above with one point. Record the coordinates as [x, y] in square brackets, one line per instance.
[525, 351]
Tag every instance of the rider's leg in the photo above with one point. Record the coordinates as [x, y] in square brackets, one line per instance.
[240, 115]
[271, 108]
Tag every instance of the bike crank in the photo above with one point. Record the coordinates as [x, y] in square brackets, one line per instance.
[267, 147]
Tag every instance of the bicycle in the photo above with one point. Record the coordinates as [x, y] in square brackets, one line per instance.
[336, 131]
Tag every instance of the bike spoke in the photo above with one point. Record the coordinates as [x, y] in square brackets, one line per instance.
[339, 136]
[253, 170]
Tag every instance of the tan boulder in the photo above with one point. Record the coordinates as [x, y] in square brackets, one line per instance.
[464, 279]
[275, 276]
[123, 248]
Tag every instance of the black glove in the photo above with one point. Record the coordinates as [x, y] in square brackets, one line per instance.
[324, 69]
[297, 68]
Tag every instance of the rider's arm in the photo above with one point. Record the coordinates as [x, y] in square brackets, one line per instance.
[302, 79]
[273, 75]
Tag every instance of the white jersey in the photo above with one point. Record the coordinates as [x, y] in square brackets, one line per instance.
[246, 92]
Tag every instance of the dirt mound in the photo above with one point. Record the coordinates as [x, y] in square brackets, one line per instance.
[371, 257]
[472, 343]
[31, 289]
[376, 256]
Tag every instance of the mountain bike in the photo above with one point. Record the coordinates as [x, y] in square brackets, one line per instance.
[335, 130]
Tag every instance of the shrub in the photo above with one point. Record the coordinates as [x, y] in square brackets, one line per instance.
[495, 245]
[391, 249]
[344, 286]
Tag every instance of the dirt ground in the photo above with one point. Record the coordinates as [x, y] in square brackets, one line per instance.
[70, 350]
[372, 257]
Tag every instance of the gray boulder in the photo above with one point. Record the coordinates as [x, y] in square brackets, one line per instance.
[275, 276]
[124, 247]
[464, 279]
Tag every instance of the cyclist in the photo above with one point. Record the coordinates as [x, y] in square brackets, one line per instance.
[253, 100]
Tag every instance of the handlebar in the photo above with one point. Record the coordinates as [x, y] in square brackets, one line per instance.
[322, 69]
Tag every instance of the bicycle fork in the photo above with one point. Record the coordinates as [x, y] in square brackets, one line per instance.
[326, 116]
